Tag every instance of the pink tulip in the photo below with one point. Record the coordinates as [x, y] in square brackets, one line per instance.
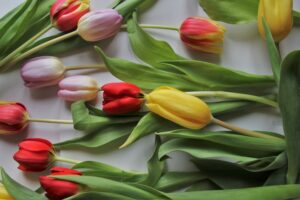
[77, 88]
[99, 25]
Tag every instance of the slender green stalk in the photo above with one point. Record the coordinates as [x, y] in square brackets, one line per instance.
[233, 95]
[101, 67]
[242, 130]
[156, 27]
[67, 160]
[42, 46]
[51, 121]
[23, 46]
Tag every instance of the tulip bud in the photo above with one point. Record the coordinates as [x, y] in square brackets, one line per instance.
[99, 25]
[179, 107]
[34, 154]
[202, 34]
[59, 189]
[77, 88]
[279, 17]
[65, 14]
[121, 98]
[13, 117]
[4, 195]
[42, 71]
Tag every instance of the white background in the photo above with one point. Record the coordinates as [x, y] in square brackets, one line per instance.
[243, 50]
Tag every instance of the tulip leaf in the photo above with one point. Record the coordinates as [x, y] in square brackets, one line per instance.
[99, 195]
[104, 138]
[273, 52]
[18, 191]
[91, 168]
[205, 184]
[173, 181]
[289, 103]
[223, 107]
[109, 186]
[231, 11]
[296, 17]
[146, 47]
[85, 119]
[280, 192]
[127, 7]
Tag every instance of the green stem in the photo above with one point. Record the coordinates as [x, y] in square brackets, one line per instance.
[233, 95]
[67, 160]
[242, 130]
[52, 121]
[42, 46]
[156, 27]
[101, 67]
[26, 44]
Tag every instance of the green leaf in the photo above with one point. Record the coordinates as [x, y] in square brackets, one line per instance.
[205, 184]
[87, 121]
[273, 52]
[110, 186]
[223, 107]
[296, 17]
[146, 47]
[128, 6]
[281, 192]
[231, 11]
[90, 168]
[148, 124]
[209, 76]
[174, 181]
[289, 103]
[104, 138]
[156, 166]
[98, 196]
[18, 191]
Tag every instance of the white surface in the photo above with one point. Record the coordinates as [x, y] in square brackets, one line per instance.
[243, 50]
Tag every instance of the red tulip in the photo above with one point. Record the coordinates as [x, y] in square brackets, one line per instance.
[34, 154]
[65, 14]
[13, 117]
[121, 98]
[202, 34]
[58, 189]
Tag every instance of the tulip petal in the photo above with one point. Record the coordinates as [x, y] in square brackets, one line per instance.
[78, 83]
[85, 95]
[36, 145]
[122, 106]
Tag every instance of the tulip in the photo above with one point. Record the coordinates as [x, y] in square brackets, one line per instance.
[59, 189]
[42, 71]
[65, 14]
[202, 34]
[121, 98]
[4, 195]
[34, 154]
[99, 25]
[278, 15]
[77, 88]
[179, 107]
[13, 117]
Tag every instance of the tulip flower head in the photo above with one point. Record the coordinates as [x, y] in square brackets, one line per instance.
[279, 17]
[59, 189]
[13, 117]
[65, 14]
[121, 98]
[75, 88]
[202, 34]
[179, 107]
[35, 154]
[42, 71]
[99, 25]
[4, 195]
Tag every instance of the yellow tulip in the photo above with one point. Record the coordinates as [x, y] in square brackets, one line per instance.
[179, 107]
[279, 16]
[4, 194]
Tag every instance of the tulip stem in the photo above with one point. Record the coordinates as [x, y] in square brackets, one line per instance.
[52, 121]
[26, 44]
[42, 46]
[67, 160]
[233, 95]
[156, 27]
[101, 67]
[242, 130]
